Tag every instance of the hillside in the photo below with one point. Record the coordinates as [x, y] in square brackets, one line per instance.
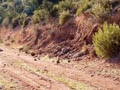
[61, 37]
[63, 28]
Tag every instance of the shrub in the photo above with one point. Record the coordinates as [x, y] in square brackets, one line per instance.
[15, 22]
[20, 19]
[84, 5]
[101, 12]
[23, 18]
[39, 15]
[54, 11]
[6, 21]
[25, 49]
[64, 16]
[107, 41]
[48, 6]
[65, 5]
[1, 19]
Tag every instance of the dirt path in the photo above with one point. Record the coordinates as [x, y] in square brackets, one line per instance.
[19, 71]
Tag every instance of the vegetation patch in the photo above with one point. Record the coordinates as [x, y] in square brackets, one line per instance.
[64, 16]
[6, 84]
[25, 49]
[74, 85]
[107, 41]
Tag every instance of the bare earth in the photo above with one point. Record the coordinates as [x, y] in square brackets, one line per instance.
[19, 71]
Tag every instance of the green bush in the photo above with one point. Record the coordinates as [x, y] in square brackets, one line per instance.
[22, 18]
[15, 22]
[39, 15]
[107, 41]
[65, 5]
[64, 16]
[48, 6]
[101, 11]
[84, 5]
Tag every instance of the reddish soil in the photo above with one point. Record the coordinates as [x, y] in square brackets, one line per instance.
[66, 41]
[77, 70]
[17, 67]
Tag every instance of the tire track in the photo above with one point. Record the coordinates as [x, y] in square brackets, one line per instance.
[29, 79]
[97, 81]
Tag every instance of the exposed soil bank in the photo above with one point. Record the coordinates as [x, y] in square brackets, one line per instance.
[72, 40]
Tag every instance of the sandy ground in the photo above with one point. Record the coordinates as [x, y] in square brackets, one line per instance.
[19, 71]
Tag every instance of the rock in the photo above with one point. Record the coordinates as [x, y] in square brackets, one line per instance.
[1, 50]
[4, 65]
[98, 74]
[1, 87]
[116, 78]
[32, 54]
[69, 61]
[78, 54]
[7, 44]
[35, 59]
[21, 49]
[92, 75]
[83, 51]
[58, 61]
[12, 87]
[11, 80]
[64, 51]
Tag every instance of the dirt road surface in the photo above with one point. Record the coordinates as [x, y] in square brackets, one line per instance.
[19, 71]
